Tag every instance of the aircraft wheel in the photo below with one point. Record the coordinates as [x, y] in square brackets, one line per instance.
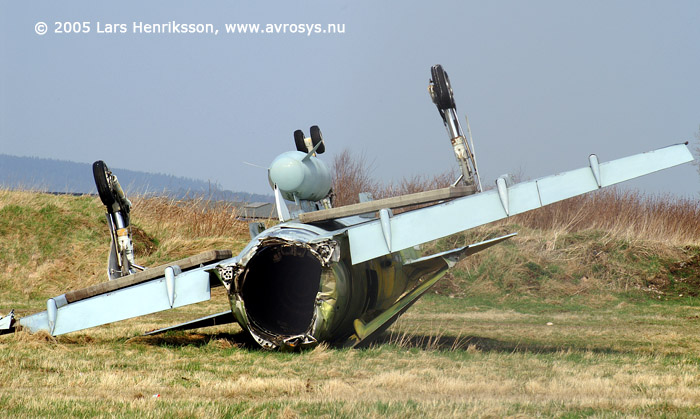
[299, 141]
[101, 173]
[441, 87]
[317, 137]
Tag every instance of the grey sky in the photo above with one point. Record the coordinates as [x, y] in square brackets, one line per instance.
[545, 83]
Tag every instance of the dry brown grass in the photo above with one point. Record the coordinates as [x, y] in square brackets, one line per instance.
[469, 363]
[180, 228]
[626, 215]
[555, 265]
[50, 244]
[352, 174]
[621, 214]
[606, 241]
[575, 235]
[191, 219]
[445, 358]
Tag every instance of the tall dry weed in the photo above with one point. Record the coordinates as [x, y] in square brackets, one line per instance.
[185, 227]
[352, 174]
[191, 219]
[608, 239]
[626, 215]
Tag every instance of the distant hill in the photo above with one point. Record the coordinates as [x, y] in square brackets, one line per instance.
[69, 177]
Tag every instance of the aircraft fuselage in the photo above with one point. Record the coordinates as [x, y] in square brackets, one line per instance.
[295, 286]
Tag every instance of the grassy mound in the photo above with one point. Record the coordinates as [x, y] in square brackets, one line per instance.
[579, 315]
[591, 249]
[51, 244]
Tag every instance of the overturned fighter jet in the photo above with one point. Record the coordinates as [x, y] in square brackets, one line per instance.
[338, 275]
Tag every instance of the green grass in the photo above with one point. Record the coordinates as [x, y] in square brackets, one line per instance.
[445, 358]
[551, 323]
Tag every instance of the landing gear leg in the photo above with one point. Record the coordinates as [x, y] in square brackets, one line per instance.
[121, 256]
[441, 94]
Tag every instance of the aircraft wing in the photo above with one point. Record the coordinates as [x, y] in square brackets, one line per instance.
[173, 285]
[390, 234]
[451, 257]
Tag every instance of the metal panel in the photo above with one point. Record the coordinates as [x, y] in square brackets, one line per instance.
[412, 228]
[35, 322]
[138, 300]
[565, 185]
[640, 164]
[151, 273]
[392, 202]
[415, 227]
[455, 255]
[426, 224]
[524, 197]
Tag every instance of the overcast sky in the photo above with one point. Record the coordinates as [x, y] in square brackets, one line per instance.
[545, 83]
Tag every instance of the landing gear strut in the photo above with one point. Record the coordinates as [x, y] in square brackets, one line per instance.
[443, 97]
[121, 255]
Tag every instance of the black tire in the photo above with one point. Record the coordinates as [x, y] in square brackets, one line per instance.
[444, 97]
[317, 137]
[299, 141]
[100, 172]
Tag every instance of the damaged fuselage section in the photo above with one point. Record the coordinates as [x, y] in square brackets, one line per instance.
[274, 287]
[293, 286]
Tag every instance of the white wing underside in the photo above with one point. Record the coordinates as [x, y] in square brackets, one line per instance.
[372, 239]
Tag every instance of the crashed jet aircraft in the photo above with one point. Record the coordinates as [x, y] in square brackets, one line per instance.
[339, 275]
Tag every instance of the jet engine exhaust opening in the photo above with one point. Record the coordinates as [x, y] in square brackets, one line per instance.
[279, 289]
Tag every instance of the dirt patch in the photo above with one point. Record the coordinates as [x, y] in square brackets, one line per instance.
[680, 279]
[144, 244]
[686, 276]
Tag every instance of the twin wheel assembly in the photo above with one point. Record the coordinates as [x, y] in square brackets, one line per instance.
[305, 144]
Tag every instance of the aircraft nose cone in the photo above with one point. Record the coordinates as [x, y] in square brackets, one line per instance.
[287, 173]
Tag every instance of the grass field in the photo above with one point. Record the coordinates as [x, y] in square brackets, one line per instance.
[572, 318]
[448, 357]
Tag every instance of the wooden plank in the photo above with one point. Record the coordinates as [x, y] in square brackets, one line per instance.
[393, 202]
[147, 275]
